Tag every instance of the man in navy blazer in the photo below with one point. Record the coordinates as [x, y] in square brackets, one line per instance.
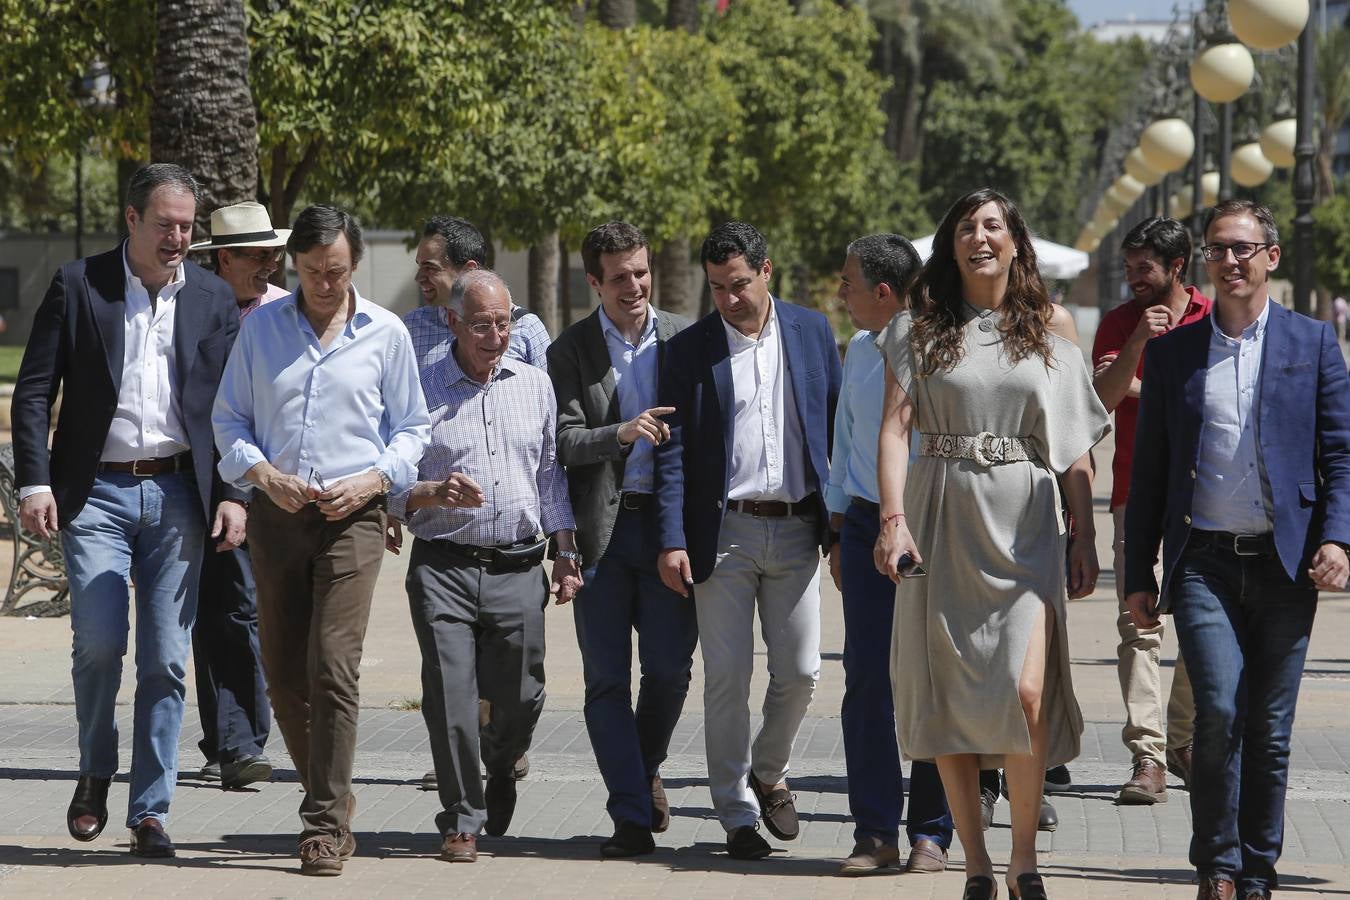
[742, 520]
[135, 339]
[1242, 471]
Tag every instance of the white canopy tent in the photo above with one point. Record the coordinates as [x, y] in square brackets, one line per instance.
[1054, 260]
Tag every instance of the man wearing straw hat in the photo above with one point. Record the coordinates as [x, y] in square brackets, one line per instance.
[231, 691]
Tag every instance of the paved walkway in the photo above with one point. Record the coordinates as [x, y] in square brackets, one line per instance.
[241, 843]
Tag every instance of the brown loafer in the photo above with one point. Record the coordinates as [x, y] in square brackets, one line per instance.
[460, 848]
[926, 856]
[870, 855]
[660, 806]
[1147, 784]
[1179, 764]
[150, 841]
[319, 855]
[778, 808]
[88, 810]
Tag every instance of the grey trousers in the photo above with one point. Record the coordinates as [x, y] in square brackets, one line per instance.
[481, 635]
[772, 565]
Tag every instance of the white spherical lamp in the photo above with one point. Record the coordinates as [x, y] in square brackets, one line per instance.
[1277, 142]
[1141, 171]
[1222, 73]
[1267, 24]
[1167, 145]
[1129, 187]
[1209, 188]
[1249, 165]
[1179, 204]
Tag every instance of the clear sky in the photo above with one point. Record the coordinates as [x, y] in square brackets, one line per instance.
[1092, 11]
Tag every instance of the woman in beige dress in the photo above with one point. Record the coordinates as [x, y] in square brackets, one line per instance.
[1006, 416]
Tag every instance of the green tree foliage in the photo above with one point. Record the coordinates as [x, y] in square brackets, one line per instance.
[1331, 267]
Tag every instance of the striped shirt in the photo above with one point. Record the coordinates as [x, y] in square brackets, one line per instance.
[502, 436]
[431, 335]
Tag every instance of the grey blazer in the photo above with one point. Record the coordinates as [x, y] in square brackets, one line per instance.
[588, 424]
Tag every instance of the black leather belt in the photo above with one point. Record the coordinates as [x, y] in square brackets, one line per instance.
[634, 500]
[775, 509]
[515, 557]
[148, 468]
[865, 504]
[1236, 544]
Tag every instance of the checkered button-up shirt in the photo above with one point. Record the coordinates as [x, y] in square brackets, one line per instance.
[431, 335]
[501, 435]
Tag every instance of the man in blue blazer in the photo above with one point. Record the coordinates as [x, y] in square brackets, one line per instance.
[1242, 471]
[742, 521]
[135, 340]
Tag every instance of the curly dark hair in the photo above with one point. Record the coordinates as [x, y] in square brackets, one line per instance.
[938, 298]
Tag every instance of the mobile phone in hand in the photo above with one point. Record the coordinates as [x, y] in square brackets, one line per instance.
[906, 567]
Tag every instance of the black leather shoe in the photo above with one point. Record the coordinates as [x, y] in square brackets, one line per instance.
[778, 808]
[245, 771]
[150, 840]
[1049, 819]
[88, 810]
[745, 843]
[628, 840]
[980, 887]
[500, 798]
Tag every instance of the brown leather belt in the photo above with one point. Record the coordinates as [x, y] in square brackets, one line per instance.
[775, 509]
[148, 468]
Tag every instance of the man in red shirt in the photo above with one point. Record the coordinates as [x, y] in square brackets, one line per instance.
[1156, 252]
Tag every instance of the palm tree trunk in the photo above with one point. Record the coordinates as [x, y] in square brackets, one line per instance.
[682, 14]
[674, 286]
[201, 113]
[618, 14]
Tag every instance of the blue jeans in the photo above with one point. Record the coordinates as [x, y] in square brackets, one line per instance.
[1243, 626]
[624, 594]
[150, 529]
[876, 794]
[231, 690]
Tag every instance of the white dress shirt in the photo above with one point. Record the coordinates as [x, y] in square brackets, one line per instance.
[768, 456]
[1232, 492]
[321, 412]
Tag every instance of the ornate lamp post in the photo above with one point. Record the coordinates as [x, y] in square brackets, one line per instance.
[1269, 25]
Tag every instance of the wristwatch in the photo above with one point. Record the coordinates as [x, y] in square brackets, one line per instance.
[386, 483]
[573, 555]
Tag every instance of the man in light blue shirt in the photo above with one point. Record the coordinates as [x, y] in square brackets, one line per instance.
[320, 410]
[604, 371]
[876, 271]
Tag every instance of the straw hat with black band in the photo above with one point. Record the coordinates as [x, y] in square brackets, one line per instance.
[242, 225]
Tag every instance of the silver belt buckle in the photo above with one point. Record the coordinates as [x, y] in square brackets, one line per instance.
[135, 470]
[1237, 544]
[989, 449]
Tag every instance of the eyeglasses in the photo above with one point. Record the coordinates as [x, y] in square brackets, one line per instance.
[272, 255]
[316, 480]
[483, 329]
[1241, 250]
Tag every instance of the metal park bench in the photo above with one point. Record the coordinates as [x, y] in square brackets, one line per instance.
[38, 564]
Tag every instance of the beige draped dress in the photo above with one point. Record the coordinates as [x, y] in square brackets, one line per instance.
[993, 541]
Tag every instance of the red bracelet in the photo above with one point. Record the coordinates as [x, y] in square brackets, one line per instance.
[892, 517]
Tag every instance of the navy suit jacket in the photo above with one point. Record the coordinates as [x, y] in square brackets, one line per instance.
[692, 474]
[1303, 431]
[77, 346]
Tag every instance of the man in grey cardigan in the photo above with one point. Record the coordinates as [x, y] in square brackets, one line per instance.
[604, 370]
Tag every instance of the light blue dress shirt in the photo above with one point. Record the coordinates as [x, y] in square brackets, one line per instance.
[337, 412]
[857, 424]
[1232, 492]
[635, 386]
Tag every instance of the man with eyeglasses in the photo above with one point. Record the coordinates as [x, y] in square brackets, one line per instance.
[320, 415]
[231, 690]
[1242, 472]
[1156, 252]
[489, 485]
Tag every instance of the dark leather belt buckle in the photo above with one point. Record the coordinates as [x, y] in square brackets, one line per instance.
[1249, 544]
[631, 500]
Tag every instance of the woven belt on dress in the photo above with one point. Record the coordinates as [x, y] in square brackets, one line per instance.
[148, 468]
[775, 509]
[984, 449]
